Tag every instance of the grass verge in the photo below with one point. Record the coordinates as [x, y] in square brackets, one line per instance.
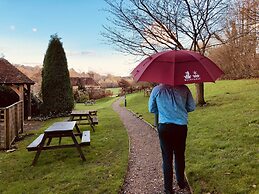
[222, 144]
[115, 91]
[62, 170]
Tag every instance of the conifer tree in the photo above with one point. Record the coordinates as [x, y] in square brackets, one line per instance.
[57, 94]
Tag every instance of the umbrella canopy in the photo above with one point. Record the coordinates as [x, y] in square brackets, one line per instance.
[177, 67]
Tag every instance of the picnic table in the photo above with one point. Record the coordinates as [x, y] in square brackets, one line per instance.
[89, 115]
[59, 130]
[90, 102]
[147, 92]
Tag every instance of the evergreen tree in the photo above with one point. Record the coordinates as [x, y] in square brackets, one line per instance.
[57, 94]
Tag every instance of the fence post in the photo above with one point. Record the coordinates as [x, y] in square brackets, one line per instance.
[16, 118]
[12, 124]
[2, 128]
[7, 128]
[22, 115]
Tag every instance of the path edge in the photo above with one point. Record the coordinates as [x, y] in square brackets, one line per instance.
[121, 189]
[154, 128]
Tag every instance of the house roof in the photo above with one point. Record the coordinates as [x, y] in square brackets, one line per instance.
[84, 81]
[11, 75]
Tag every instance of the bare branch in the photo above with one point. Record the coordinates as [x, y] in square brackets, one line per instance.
[142, 27]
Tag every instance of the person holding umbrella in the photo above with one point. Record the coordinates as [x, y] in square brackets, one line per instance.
[172, 104]
[172, 100]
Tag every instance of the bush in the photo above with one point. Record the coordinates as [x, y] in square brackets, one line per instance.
[81, 96]
[96, 93]
[57, 94]
[86, 94]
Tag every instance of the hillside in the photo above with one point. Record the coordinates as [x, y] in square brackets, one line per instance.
[34, 73]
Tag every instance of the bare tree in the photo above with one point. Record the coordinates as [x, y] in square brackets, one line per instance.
[143, 27]
[241, 41]
[252, 9]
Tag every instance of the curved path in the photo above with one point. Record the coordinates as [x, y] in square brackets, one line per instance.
[145, 165]
[145, 162]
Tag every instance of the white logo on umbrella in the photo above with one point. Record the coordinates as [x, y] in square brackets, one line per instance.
[189, 77]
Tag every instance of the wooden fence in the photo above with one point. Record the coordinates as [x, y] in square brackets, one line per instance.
[11, 124]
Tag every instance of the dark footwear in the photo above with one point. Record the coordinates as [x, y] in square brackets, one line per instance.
[183, 185]
[169, 192]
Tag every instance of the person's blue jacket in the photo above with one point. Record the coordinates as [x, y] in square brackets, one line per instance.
[171, 103]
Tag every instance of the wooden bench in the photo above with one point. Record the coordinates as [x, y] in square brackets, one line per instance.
[85, 140]
[90, 116]
[93, 112]
[90, 102]
[94, 120]
[35, 143]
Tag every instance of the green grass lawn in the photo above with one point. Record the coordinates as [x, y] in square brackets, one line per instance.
[222, 144]
[115, 91]
[62, 170]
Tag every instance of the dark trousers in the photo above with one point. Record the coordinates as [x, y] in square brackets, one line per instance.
[172, 142]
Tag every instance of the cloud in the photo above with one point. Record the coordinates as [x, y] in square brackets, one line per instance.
[34, 29]
[80, 53]
[12, 27]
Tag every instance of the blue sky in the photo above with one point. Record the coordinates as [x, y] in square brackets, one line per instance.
[26, 26]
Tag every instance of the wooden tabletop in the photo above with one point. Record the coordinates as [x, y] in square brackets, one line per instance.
[61, 126]
[82, 112]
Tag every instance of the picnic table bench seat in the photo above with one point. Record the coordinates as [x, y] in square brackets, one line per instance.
[35, 143]
[85, 140]
[93, 112]
[94, 120]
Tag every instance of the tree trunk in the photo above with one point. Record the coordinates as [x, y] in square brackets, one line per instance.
[200, 94]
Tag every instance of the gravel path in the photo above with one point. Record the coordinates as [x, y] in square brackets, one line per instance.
[145, 165]
[144, 174]
[145, 162]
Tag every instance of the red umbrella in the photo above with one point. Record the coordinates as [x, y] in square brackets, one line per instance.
[177, 67]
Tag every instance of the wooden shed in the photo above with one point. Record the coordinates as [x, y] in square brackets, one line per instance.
[10, 76]
[12, 116]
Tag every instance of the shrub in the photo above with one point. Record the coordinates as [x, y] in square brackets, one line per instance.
[81, 96]
[56, 89]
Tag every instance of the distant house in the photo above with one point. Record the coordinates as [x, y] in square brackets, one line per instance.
[86, 82]
[13, 78]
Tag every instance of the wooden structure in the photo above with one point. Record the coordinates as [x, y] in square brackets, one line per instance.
[59, 130]
[90, 116]
[90, 102]
[11, 124]
[10, 76]
[147, 92]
